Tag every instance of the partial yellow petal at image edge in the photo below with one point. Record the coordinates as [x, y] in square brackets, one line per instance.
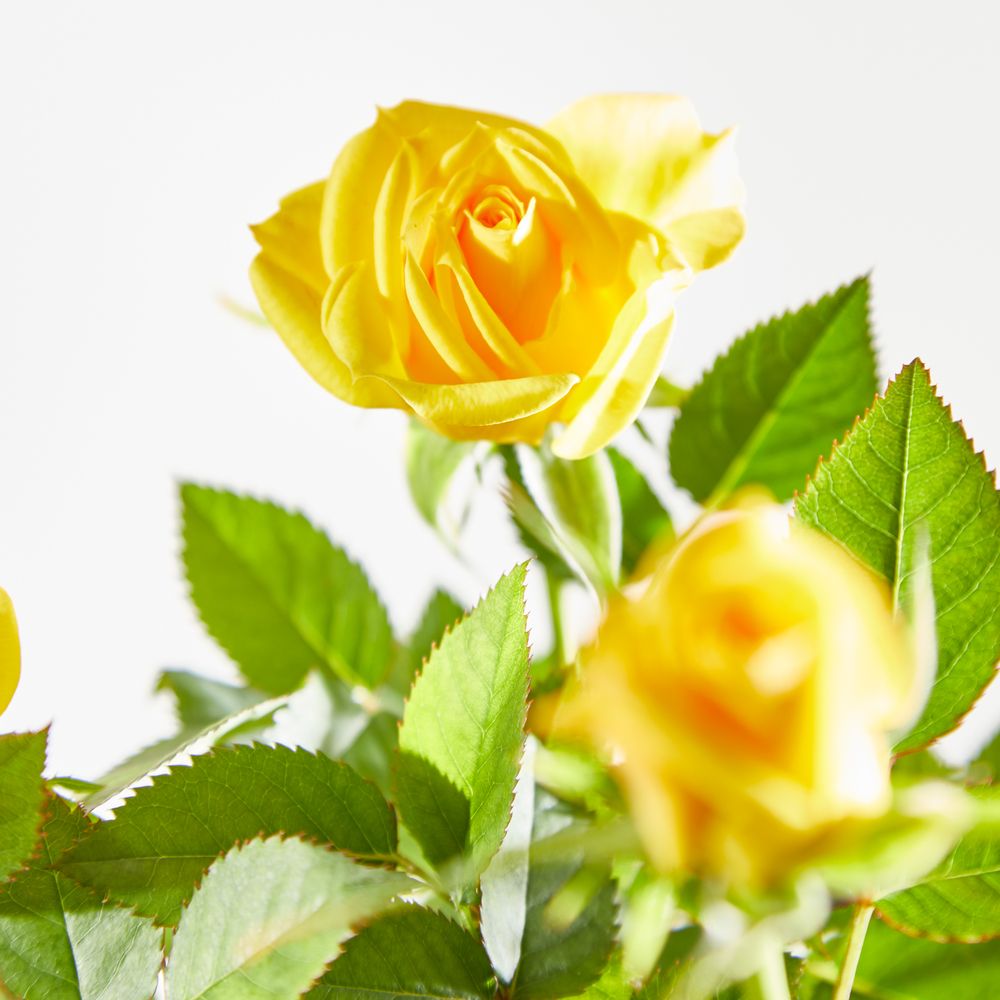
[10, 651]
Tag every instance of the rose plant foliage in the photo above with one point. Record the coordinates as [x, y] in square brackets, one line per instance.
[718, 781]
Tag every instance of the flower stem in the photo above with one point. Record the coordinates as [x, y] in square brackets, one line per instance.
[855, 942]
[772, 980]
[554, 587]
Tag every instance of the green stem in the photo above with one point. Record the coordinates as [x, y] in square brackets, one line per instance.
[666, 394]
[855, 942]
[554, 588]
[772, 980]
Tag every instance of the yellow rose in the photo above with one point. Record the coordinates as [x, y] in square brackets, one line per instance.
[491, 277]
[10, 651]
[747, 694]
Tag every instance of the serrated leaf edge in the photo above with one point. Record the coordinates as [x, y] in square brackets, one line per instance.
[363, 925]
[44, 815]
[861, 280]
[525, 565]
[370, 860]
[293, 512]
[917, 364]
[913, 932]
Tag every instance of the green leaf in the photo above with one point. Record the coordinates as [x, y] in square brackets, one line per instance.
[896, 967]
[76, 787]
[441, 613]
[203, 702]
[919, 766]
[580, 500]
[22, 797]
[327, 716]
[907, 474]
[649, 910]
[888, 853]
[269, 917]
[673, 962]
[644, 518]
[773, 403]
[568, 936]
[162, 839]
[987, 760]
[158, 755]
[960, 899]
[373, 752]
[666, 395]
[613, 984]
[59, 942]
[559, 553]
[504, 883]
[541, 538]
[277, 595]
[463, 730]
[409, 953]
[533, 529]
[431, 463]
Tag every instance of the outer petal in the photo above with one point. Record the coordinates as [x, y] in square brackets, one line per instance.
[347, 227]
[356, 325]
[480, 404]
[646, 154]
[10, 651]
[704, 219]
[617, 386]
[290, 282]
[449, 125]
[525, 430]
[293, 308]
[290, 238]
[707, 238]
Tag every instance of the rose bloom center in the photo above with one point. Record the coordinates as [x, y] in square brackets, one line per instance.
[497, 207]
[511, 257]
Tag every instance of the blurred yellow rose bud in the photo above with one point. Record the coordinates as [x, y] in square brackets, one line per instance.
[747, 693]
[10, 651]
[491, 277]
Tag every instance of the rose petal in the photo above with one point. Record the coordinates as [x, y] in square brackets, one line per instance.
[10, 651]
[480, 404]
[356, 323]
[352, 191]
[494, 332]
[293, 308]
[647, 155]
[290, 237]
[614, 391]
[443, 333]
[569, 209]
[347, 232]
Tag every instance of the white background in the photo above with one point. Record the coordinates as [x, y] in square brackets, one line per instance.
[138, 140]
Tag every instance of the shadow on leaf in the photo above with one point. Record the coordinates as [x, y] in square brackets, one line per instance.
[434, 810]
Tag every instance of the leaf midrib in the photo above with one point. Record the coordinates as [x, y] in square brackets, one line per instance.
[290, 933]
[897, 576]
[741, 460]
[62, 916]
[260, 581]
[958, 876]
